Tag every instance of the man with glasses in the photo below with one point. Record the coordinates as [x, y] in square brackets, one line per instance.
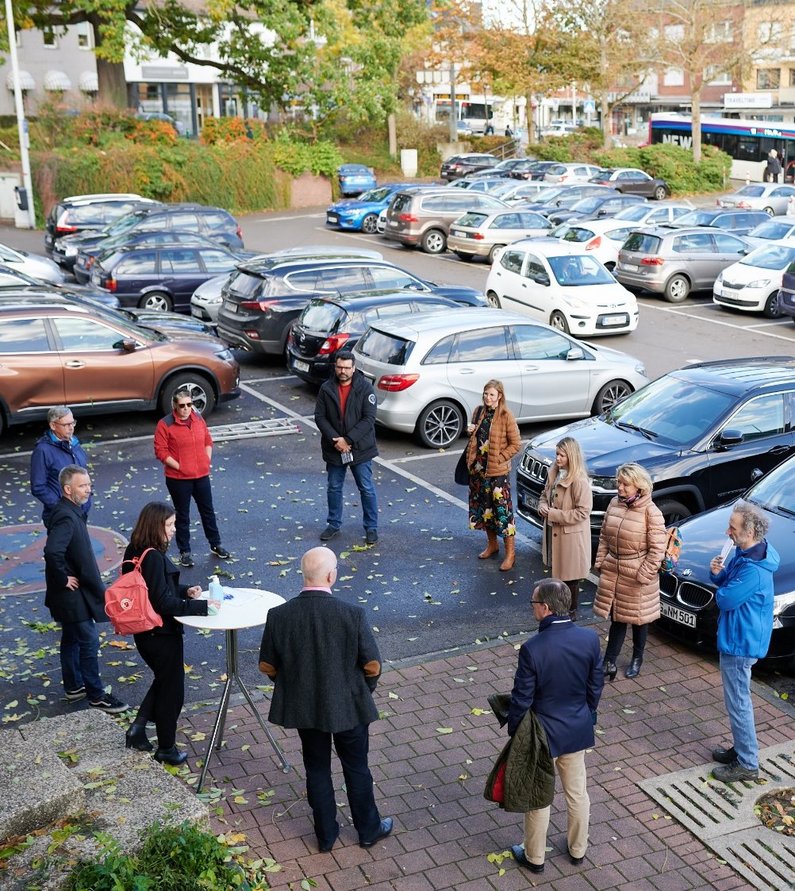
[58, 448]
[185, 448]
[345, 416]
[560, 679]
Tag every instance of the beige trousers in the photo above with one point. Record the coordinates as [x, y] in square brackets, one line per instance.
[571, 770]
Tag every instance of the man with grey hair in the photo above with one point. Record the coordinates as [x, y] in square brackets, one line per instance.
[55, 450]
[560, 679]
[745, 625]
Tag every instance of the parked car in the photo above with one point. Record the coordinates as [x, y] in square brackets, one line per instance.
[162, 277]
[521, 192]
[531, 169]
[353, 179]
[461, 165]
[428, 371]
[562, 197]
[361, 214]
[330, 324]
[12, 278]
[786, 295]
[423, 218]
[632, 181]
[59, 353]
[752, 284]
[674, 262]
[651, 214]
[31, 264]
[557, 282]
[772, 198]
[777, 229]
[179, 127]
[570, 173]
[213, 222]
[502, 169]
[595, 207]
[603, 239]
[738, 222]
[482, 184]
[479, 233]
[687, 593]
[261, 299]
[80, 213]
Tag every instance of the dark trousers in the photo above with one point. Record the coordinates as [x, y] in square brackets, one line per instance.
[615, 640]
[163, 653]
[181, 492]
[79, 662]
[352, 747]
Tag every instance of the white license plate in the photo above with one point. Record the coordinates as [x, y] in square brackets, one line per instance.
[196, 313]
[393, 224]
[301, 366]
[630, 266]
[332, 218]
[530, 501]
[614, 320]
[678, 615]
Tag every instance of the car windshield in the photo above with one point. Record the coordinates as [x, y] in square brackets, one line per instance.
[578, 271]
[774, 256]
[375, 194]
[588, 205]
[633, 213]
[772, 230]
[776, 491]
[320, 315]
[671, 410]
[696, 218]
[550, 194]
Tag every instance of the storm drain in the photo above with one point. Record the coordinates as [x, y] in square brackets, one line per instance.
[253, 429]
[722, 816]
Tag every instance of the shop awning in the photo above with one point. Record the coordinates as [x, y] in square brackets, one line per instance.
[26, 81]
[89, 83]
[57, 81]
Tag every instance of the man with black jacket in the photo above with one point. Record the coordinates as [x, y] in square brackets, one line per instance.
[345, 416]
[75, 594]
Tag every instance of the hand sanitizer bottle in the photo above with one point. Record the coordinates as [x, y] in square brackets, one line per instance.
[216, 592]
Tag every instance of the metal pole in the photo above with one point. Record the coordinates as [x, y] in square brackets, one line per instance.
[22, 124]
[574, 103]
[453, 114]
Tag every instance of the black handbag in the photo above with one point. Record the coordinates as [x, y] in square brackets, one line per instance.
[461, 473]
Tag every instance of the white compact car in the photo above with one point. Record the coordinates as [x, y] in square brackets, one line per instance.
[560, 283]
[753, 283]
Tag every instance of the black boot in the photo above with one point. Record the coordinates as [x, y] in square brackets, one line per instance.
[633, 669]
[136, 738]
[171, 756]
[574, 588]
[610, 670]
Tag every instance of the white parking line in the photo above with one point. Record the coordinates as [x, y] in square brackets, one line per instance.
[298, 216]
[676, 312]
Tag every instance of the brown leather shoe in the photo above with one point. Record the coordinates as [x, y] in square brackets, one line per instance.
[510, 553]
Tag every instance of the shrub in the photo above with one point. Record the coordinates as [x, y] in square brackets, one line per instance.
[675, 165]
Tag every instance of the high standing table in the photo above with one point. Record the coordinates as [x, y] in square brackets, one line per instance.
[241, 608]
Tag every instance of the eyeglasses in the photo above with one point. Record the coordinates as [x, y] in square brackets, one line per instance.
[184, 404]
[65, 423]
[538, 601]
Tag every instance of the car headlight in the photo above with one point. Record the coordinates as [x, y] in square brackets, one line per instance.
[759, 283]
[71, 251]
[604, 483]
[225, 355]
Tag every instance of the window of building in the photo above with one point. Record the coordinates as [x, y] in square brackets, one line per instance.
[769, 32]
[768, 78]
[713, 75]
[792, 77]
[674, 77]
[674, 33]
[49, 37]
[85, 35]
[719, 32]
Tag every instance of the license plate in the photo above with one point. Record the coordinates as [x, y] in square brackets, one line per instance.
[196, 313]
[529, 501]
[678, 615]
[393, 224]
[301, 366]
[614, 320]
[630, 266]
[332, 218]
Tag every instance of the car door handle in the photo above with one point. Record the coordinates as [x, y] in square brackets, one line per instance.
[74, 363]
[779, 449]
[466, 370]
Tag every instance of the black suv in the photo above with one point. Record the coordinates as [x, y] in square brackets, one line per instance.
[212, 222]
[262, 298]
[704, 432]
[461, 165]
[80, 213]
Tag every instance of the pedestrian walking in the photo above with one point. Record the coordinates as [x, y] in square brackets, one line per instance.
[493, 440]
[745, 626]
[184, 446]
[162, 648]
[56, 449]
[345, 417]
[772, 167]
[75, 594]
[631, 548]
[559, 678]
[565, 505]
[323, 659]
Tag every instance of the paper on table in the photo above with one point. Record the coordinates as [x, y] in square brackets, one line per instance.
[727, 546]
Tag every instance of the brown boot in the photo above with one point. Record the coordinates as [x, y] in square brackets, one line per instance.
[493, 547]
[510, 553]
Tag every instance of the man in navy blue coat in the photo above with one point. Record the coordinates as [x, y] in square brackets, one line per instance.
[58, 448]
[560, 679]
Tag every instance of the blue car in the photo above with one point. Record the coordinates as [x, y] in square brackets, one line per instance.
[361, 214]
[354, 179]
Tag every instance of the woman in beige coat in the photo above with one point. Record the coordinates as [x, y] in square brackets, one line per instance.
[631, 549]
[566, 504]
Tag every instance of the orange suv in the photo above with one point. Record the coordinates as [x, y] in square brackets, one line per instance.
[53, 352]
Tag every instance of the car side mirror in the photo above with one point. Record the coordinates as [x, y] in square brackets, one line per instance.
[730, 437]
[126, 346]
[541, 279]
[756, 474]
[575, 353]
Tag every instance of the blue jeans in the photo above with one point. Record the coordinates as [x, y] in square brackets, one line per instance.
[79, 662]
[735, 673]
[363, 475]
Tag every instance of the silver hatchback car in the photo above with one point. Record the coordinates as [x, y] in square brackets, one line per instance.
[479, 233]
[674, 262]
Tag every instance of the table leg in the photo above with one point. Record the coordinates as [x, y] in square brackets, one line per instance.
[216, 735]
[263, 725]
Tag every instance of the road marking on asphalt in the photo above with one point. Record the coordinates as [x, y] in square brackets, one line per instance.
[299, 216]
[713, 321]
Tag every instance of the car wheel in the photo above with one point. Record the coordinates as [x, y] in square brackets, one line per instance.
[673, 511]
[772, 308]
[493, 300]
[659, 193]
[610, 393]
[156, 300]
[370, 224]
[493, 251]
[558, 320]
[440, 424]
[676, 289]
[201, 392]
[434, 242]
[462, 256]
[770, 212]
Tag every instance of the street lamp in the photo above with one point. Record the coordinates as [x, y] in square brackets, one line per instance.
[26, 196]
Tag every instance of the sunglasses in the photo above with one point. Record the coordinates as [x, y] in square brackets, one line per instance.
[184, 404]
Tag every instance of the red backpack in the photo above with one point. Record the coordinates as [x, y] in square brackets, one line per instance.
[127, 601]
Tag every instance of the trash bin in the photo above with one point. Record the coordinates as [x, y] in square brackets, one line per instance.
[21, 195]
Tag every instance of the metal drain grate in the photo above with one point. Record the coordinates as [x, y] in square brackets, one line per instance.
[252, 429]
[722, 816]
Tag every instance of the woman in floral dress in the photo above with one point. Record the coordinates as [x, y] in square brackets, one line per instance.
[493, 440]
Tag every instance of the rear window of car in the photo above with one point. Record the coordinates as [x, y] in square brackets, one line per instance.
[96, 213]
[321, 315]
[751, 191]
[772, 230]
[217, 219]
[578, 235]
[382, 347]
[400, 203]
[244, 284]
[472, 219]
[643, 243]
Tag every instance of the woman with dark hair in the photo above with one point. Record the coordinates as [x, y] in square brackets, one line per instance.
[161, 648]
[493, 440]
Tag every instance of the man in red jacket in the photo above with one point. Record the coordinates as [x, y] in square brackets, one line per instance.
[184, 446]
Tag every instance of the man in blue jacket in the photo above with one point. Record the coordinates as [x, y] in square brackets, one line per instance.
[745, 625]
[560, 678]
[58, 448]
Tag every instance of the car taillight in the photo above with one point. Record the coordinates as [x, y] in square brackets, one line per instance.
[478, 236]
[408, 218]
[239, 232]
[260, 305]
[110, 283]
[744, 204]
[65, 230]
[332, 344]
[394, 383]
[652, 261]
[593, 243]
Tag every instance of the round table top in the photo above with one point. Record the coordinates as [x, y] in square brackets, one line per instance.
[241, 608]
